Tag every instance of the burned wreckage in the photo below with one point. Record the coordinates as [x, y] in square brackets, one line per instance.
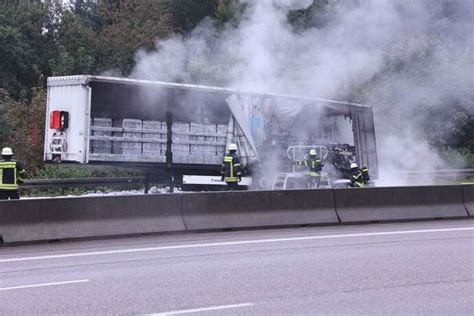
[181, 131]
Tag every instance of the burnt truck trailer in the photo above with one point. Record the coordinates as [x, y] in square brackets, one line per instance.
[181, 131]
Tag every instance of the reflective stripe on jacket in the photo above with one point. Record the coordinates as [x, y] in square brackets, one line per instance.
[365, 174]
[315, 167]
[231, 168]
[11, 173]
[357, 179]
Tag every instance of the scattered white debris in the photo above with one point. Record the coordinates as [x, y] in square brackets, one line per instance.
[152, 190]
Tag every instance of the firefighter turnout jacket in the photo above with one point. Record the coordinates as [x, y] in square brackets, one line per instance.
[11, 174]
[365, 174]
[357, 179]
[230, 170]
[315, 166]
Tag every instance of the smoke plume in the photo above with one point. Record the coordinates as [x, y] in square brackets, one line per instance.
[403, 57]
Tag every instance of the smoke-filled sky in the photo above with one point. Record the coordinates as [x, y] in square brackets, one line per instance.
[394, 55]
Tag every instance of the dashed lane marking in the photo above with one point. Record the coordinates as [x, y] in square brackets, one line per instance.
[42, 285]
[233, 243]
[204, 309]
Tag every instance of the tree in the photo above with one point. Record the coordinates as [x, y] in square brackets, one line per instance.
[317, 15]
[26, 130]
[5, 104]
[23, 48]
[229, 11]
[186, 14]
[88, 11]
[128, 27]
[76, 47]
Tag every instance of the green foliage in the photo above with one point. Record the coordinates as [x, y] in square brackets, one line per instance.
[459, 157]
[87, 11]
[5, 104]
[318, 14]
[76, 47]
[229, 12]
[23, 47]
[186, 14]
[63, 172]
[25, 132]
[57, 171]
[451, 127]
[128, 27]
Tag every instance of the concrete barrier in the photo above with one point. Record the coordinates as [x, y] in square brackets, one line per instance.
[469, 198]
[49, 219]
[86, 217]
[240, 209]
[399, 203]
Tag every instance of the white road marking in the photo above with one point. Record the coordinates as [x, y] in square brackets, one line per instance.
[205, 309]
[41, 285]
[232, 243]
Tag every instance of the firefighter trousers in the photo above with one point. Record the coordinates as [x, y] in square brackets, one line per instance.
[314, 181]
[232, 186]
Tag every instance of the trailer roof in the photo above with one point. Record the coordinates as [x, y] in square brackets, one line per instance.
[85, 79]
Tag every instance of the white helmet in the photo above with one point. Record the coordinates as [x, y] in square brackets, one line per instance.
[312, 152]
[7, 151]
[232, 147]
[354, 165]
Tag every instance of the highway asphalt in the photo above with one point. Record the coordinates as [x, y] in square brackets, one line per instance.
[403, 268]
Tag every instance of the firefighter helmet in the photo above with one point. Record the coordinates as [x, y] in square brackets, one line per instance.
[232, 147]
[354, 165]
[312, 152]
[7, 151]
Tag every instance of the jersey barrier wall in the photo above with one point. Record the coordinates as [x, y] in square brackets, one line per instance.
[400, 203]
[214, 210]
[469, 199]
[49, 219]
[91, 217]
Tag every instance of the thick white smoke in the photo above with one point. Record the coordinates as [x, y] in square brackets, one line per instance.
[354, 56]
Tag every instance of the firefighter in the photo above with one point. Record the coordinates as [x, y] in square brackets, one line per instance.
[365, 175]
[315, 166]
[11, 174]
[357, 178]
[230, 170]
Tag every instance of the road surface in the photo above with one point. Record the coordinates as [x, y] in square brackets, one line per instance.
[404, 268]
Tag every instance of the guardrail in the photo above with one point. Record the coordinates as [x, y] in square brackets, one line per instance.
[440, 172]
[421, 177]
[30, 184]
[77, 182]
[448, 172]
